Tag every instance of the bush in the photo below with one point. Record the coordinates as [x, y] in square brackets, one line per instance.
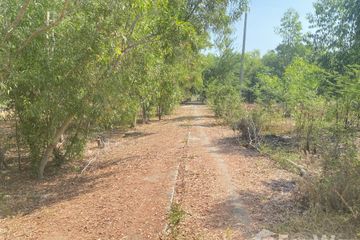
[337, 189]
[225, 101]
[250, 126]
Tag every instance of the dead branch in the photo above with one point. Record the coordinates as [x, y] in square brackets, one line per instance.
[93, 159]
[302, 169]
[187, 140]
[354, 213]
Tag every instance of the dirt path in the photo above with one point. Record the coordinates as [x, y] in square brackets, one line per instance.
[226, 191]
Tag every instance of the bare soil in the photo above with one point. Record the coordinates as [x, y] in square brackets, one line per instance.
[227, 191]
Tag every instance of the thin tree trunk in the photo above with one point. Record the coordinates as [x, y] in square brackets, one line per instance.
[49, 149]
[2, 159]
[159, 112]
[144, 120]
[17, 141]
[135, 121]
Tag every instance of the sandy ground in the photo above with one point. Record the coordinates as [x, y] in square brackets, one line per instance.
[227, 191]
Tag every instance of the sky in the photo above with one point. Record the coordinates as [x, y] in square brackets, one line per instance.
[264, 16]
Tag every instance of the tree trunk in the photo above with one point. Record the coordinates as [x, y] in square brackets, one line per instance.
[308, 137]
[133, 125]
[18, 142]
[143, 114]
[2, 159]
[50, 148]
[159, 112]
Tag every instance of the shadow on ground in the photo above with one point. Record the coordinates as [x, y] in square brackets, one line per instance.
[281, 185]
[205, 125]
[263, 210]
[288, 142]
[233, 146]
[193, 103]
[136, 134]
[22, 194]
[189, 118]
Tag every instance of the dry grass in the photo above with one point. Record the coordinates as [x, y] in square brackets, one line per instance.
[317, 222]
[317, 217]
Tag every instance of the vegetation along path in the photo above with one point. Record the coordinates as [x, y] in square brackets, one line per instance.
[188, 159]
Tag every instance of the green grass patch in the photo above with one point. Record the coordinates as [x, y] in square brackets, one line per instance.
[176, 215]
[282, 156]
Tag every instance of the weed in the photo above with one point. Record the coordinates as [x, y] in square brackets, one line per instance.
[76, 169]
[176, 215]
[228, 234]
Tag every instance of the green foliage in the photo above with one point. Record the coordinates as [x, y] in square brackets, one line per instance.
[253, 67]
[323, 104]
[290, 28]
[303, 101]
[325, 109]
[311, 86]
[69, 67]
[225, 101]
[271, 88]
[293, 44]
[176, 215]
[222, 85]
[337, 35]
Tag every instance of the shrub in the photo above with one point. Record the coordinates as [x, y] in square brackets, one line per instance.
[225, 101]
[250, 126]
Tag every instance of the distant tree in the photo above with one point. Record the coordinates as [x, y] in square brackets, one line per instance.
[292, 44]
[253, 67]
[290, 28]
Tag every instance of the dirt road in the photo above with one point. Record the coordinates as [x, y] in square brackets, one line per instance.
[226, 190]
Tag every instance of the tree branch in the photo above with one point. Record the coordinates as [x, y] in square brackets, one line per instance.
[50, 147]
[45, 28]
[145, 40]
[192, 11]
[17, 20]
[132, 28]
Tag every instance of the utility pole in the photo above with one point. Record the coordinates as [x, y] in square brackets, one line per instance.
[243, 49]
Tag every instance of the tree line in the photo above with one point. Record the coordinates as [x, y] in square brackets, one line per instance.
[69, 67]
